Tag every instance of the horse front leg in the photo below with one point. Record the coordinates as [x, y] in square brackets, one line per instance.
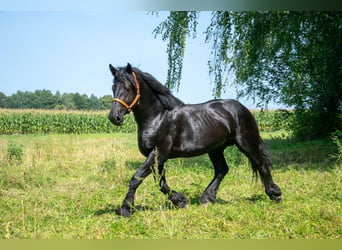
[126, 208]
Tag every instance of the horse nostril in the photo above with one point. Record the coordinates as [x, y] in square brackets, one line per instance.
[116, 119]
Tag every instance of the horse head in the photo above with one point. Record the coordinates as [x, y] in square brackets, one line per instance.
[126, 93]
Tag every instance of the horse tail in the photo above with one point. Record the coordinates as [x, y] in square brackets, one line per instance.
[261, 162]
[249, 142]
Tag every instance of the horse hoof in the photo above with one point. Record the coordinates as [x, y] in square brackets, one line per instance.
[278, 199]
[179, 200]
[183, 203]
[205, 200]
[205, 204]
[123, 212]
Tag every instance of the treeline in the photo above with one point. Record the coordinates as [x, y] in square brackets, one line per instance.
[45, 99]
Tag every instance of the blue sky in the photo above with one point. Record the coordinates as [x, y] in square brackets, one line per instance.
[70, 51]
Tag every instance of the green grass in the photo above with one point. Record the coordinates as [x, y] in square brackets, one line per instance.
[67, 186]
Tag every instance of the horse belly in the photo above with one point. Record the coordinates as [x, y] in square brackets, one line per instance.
[197, 141]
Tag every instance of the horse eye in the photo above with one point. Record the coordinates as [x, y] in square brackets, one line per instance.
[127, 89]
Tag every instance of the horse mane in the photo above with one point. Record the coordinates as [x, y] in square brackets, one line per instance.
[162, 93]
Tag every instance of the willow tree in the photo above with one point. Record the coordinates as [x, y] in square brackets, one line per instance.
[290, 58]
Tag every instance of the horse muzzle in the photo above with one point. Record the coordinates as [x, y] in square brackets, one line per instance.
[116, 119]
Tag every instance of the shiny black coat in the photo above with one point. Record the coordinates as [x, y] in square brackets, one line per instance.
[167, 128]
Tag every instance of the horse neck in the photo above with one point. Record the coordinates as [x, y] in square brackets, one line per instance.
[149, 106]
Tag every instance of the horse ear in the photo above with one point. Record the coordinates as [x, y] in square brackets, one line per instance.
[129, 68]
[112, 69]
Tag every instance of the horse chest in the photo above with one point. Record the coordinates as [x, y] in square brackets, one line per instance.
[148, 140]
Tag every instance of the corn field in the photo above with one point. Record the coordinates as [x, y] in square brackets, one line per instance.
[273, 120]
[87, 122]
[59, 122]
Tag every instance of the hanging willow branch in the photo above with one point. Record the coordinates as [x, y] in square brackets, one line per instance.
[175, 29]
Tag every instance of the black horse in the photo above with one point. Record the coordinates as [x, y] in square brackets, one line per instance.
[167, 128]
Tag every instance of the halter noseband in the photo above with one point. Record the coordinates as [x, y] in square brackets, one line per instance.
[136, 99]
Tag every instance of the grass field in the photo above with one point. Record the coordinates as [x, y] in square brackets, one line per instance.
[67, 186]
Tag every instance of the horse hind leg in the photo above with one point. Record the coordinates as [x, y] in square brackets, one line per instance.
[253, 147]
[177, 198]
[221, 169]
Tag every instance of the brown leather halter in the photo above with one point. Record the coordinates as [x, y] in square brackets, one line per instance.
[136, 99]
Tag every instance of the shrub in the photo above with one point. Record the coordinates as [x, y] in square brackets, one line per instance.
[14, 152]
[336, 138]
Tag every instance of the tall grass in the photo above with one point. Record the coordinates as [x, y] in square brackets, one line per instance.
[67, 186]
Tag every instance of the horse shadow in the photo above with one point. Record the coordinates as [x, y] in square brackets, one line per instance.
[167, 206]
[110, 209]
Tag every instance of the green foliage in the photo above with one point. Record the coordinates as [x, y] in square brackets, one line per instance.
[336, 138]
[218, 33]
[269, 121]
[291, 58]
[60, 122]
[14, 152]
[175, 29]
[303, 126]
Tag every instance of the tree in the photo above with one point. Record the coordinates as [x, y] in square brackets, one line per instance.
[19, 100]
[58, 99]
[3, 99]
[291, 58]
[42, 99]
[68, 101]
[94, 102]
[105, 102]
[175, 29]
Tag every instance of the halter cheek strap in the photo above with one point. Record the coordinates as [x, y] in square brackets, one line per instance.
[136, 99]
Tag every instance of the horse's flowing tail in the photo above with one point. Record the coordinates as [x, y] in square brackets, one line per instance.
[249, 142]
[261, 164]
